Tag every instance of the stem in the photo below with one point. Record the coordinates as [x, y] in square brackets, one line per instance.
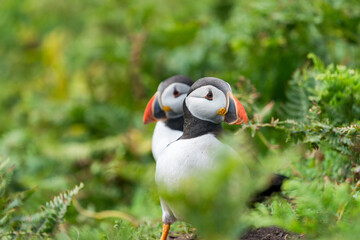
[266, 142]
[105, 214]
[342, 209]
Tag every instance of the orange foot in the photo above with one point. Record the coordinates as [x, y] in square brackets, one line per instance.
[165, 232]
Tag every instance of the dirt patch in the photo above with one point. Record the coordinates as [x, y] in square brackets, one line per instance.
[263, 233]
[270, 233]
[175, 236]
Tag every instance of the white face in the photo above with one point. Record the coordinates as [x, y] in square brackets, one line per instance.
[205, 102]
[173, 97]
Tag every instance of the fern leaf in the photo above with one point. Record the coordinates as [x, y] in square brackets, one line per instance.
[55, 210]
[44, 222]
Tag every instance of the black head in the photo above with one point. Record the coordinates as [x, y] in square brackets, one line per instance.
[168, 100]
[209, 103]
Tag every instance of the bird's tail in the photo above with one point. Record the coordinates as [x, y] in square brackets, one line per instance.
[276, 183]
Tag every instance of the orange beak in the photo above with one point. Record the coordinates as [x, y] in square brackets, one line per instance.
[236, 113]
[153, 111]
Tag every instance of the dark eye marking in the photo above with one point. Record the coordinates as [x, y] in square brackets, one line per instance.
[176, 93]
[209, 95]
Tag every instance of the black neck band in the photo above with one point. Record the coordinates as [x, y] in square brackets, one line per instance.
[194, 127]
[175, 123]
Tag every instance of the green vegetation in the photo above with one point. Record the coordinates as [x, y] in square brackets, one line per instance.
[75, 78]
[42, 224]
[325, 184]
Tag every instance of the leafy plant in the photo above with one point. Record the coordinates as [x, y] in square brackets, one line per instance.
[14, 224]
[325, 186]
[76, 78]
[316, 120]
[316, 208]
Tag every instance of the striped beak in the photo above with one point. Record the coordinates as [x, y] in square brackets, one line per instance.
[236, 113]
[153, 111]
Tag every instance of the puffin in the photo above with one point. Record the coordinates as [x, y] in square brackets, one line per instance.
[209, 102]
[166, 108]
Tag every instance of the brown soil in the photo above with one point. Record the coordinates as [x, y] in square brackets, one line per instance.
[174, 236]
[264, 233]
[270, 233]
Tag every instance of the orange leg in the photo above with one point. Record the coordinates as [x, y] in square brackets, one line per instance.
[165, 233]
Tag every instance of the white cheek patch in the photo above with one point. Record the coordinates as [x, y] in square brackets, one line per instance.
[175, 103]
[205, 109]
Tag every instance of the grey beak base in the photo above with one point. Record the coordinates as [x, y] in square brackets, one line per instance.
[231, 115]
[157, 110]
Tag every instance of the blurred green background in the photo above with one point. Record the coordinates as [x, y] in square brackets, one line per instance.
[75, 77]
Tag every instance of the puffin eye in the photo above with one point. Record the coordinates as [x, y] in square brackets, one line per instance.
[176, 93]
[209, 95]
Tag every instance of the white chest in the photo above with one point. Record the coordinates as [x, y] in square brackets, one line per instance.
[185, 158]
[162, 137]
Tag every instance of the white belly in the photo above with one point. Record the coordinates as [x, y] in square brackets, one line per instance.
[162, 137]
[183, 159]
[186, 157]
